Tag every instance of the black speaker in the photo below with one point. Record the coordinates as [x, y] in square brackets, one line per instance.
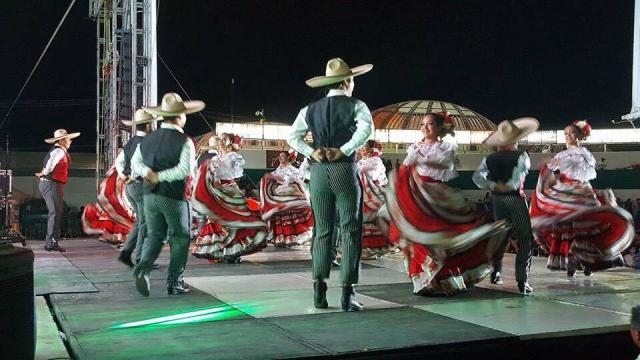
[17, 303]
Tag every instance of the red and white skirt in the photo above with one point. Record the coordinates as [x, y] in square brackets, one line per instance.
[447, 246]
[111, 217]
[569, 218]
[233, 229]
[375, 239]
[287, 211]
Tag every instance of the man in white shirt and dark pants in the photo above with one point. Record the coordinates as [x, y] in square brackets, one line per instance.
[166, 161]
[53, 177]
[144, 123]
[504, 172]
[339, 125]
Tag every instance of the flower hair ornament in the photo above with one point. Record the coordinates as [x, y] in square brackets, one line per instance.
[584, 127]
[447, 123]
[293, 155]
[234, 141]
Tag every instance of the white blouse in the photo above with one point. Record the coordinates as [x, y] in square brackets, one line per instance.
[576, 163]
[287, 174]
[374, 169]
[304, 172]
[227, 166]
[443, 153]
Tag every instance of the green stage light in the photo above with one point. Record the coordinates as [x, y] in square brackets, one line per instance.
[191, 316]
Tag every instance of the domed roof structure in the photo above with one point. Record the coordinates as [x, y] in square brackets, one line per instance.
[409, 114]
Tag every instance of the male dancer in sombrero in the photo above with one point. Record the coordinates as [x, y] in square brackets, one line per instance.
[53, 177]
[504, 172]
[339, 124]
[166, 160]
[144, 123]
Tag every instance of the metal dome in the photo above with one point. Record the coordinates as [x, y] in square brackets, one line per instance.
[408, 115]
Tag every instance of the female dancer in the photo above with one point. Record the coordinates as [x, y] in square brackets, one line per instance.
[446, 245]
[575, 225]
[112, 216]
[233, 229]
[285, 204]
[372, 174]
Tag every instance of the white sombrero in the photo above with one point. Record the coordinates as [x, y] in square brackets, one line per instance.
[61, 134]
[141, 117]
[337, 70]
[172, 105]
[510, 131]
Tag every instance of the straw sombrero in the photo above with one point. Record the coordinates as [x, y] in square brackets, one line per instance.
[61, 134]
[141, 117]
[510, 131]
[172, 105]
[337, 70]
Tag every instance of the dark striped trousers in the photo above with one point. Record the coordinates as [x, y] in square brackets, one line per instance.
[136, 236]
[513, 207]
[336, 187]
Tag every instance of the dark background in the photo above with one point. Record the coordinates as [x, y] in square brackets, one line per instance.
[554, 60]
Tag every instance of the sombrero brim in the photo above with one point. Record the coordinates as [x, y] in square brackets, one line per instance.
[527, 125]
[320, 81]
[54, 139]
[134, 122]
[190, 107]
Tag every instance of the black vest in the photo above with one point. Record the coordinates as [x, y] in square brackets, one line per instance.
[501, 165]
[130, 148]
[160, 151]
[331, 122]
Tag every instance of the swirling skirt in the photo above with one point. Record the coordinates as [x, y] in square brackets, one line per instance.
[447, 247]
[375, 238]
[233, 229]
[112, 216]
[287, 211]
[570, 219]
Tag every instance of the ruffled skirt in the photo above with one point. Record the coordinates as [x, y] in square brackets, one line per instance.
[375, 239]
[447, 246]
[287, 211]
[572, 222]
[112, 216]
[233, 229]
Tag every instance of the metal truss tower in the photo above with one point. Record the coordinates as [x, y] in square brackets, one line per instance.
[126, 71]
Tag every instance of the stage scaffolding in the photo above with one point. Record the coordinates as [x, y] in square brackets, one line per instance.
[126, 71]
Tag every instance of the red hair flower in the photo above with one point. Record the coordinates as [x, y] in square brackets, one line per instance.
[293, 155]
[584, 127]
[446, 117]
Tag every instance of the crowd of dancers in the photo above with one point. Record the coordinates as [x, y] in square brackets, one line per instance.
[337, 188]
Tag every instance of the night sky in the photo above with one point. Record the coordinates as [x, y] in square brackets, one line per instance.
[554, 60]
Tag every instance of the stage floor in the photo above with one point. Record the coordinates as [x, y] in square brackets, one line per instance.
[263, 308]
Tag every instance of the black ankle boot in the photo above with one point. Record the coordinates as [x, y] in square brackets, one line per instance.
[177, 287]
[349, 302]
[320, 294]
[125, 258]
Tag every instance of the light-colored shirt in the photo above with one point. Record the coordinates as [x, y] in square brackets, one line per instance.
[56, 155]
[519, 173]
[576, 163]
[185, 167]
[364, 128]
[227, 166]
[287, 173]
[374, 169]
[442, 153]
[120, 160]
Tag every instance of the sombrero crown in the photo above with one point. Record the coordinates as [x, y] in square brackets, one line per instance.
[510, 131]
[172, 105]
[141, 117]
[61, 134]
[337, 70]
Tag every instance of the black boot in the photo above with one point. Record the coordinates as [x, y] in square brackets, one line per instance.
[125, 258]
[177, 287]
[320, 294]
[349, 302]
